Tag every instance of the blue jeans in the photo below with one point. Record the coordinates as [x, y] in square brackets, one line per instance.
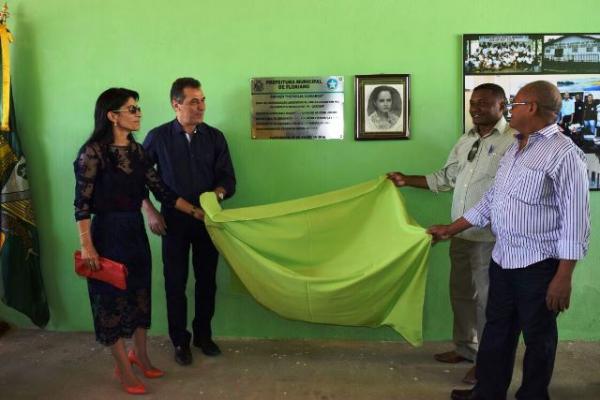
[591, 125]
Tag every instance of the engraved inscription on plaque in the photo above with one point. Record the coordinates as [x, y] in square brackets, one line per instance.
[298, 108]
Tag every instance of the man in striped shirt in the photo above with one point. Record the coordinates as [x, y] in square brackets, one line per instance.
[538, 209]
[469, 172]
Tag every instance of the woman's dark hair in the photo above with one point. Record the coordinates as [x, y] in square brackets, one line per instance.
[396, 100]
[109, 100]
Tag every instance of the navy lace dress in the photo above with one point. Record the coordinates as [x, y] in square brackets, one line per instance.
[111, 182]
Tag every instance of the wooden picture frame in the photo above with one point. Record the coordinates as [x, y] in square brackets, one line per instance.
[382, 106]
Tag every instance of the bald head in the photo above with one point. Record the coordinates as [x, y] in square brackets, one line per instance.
[546, 96]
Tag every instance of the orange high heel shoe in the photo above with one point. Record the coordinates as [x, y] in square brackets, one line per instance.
[137, 389]
[151, 373]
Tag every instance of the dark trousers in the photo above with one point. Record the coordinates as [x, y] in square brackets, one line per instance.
[517, 303]
[184, 232]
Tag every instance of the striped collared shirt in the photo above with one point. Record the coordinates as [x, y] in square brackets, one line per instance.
[539, 204]
[471, 179]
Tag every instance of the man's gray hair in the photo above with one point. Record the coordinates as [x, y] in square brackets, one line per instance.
[180, 84]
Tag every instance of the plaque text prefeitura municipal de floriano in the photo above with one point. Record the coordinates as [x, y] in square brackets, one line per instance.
[298, 108]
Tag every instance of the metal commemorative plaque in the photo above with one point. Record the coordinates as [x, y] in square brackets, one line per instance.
[298, 108]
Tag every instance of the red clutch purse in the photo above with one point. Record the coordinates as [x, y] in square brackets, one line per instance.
[110, 271]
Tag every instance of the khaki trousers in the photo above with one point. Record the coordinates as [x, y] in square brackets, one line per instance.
[469, 282]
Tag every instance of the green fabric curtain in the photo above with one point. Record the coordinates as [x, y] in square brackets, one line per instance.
[347, 257]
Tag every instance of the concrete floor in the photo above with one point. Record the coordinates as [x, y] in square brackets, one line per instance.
[52, 365]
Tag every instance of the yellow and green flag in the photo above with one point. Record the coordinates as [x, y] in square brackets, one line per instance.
[21, 285]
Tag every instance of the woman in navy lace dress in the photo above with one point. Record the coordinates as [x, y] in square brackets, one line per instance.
[113, 176]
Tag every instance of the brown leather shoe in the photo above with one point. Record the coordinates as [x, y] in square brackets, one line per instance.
[451, 357]
[470, 377]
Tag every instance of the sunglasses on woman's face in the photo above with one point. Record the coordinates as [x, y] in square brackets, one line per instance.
[131, 110]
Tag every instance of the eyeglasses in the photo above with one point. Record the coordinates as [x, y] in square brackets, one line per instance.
[131, 110]
[473, 150]
[510, 106]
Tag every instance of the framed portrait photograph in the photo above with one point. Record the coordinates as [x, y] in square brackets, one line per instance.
[382, 109]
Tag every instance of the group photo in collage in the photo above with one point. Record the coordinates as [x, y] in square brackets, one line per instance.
[570, 61]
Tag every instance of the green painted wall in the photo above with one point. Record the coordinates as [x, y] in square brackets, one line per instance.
[67, 51]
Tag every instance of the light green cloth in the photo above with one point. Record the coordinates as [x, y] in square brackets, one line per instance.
[348, 257]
